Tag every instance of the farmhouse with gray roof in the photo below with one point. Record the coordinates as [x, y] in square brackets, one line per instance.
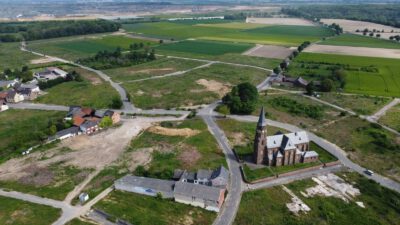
[146, 186]
[218, 177]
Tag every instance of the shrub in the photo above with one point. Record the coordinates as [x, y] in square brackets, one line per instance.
[116, 103]
[242, 99]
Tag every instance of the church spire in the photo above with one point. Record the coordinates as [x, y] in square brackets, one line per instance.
[262, 122]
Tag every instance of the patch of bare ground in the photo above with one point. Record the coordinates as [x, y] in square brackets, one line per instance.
[37, 176]
[238, 138]
[189, 156]
[215, 86]
[95, 152]
[141, 156]
[92, 77]
[357, 51]
[186, 132]
[42, 60]
[280, 21]
[269, 51]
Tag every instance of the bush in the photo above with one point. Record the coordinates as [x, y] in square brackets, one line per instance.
[242, 99]
[116, 103]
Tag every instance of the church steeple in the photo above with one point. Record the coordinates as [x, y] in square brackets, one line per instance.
[260, 139]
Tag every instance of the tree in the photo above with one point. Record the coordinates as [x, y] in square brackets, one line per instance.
[283, 65]
[52, 129]
[223, 109]
[161, 41]
[106, 122]
[310, 88]
[242, 99]
[116, 103]
[277, 70]
[327, 85]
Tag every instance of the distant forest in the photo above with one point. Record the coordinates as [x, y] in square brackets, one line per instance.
[383, 14]
[29, 31]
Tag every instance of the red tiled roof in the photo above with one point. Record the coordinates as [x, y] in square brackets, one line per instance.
[3, 95]
[87, 111]
[78, 120]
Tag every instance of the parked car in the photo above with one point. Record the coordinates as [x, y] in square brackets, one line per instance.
[369, 172]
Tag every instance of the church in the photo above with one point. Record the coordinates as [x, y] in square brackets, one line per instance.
[281, 149]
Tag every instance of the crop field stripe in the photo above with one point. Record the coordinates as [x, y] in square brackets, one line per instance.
[393, 76]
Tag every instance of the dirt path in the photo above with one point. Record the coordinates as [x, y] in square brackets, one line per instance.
[78, 189]
[383, 110]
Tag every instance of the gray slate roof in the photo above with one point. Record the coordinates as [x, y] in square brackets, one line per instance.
[145, 182]
[262, 122]
[220, 172]
[71, 130]
[204, 174]
[198, 191]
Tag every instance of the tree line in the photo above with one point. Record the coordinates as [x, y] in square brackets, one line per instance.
[30, 31]
[382, 14]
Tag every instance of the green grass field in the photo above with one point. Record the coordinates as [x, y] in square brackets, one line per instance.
[77, 221]
[381, 205]
[365, 75]
[159, 67]
[360, 41]
[91, 92]
[27, 127]
[280, 35]
[12, 57]
[73, 48]
[184, 90]
[392, 118]
[172, 152]
[368, 145]
[204, 47]
[17, 212]
[146, 210]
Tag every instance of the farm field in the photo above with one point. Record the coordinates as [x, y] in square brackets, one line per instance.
[354, 51]
[360, 41]
[184, 145]
[146, 210]
[364, 75]
[392, 118]
[269, 51]
[366, 144]
[204, 47]
[19, 212]
[280, 21]
[159, 67]
[379, 205]
[12, 57]
[27, 127]
[352, 25]
[193, 88]
[279, 34]
[366, 105]
[73, 48]
[91, 92]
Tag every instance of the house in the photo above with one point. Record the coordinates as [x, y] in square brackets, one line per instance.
[14, 97]
[50, 73]
[28, 94]
[115, 117]
[3, 105]
[145, 186]
[67, 133]
[83, 197]
[281, 149]
[3, 95]
[207, 197]
[217, 178]
[5, 84]
[78, 121]
[89, 127]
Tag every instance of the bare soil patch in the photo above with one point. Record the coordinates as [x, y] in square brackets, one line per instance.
[155, 71]
[189, 156]
[280, 21]
[140, 157]
[269, 51]
[186, 132]
[357, 51]
[214, 86]
[37, 176]
[92, 77]
[42, 60]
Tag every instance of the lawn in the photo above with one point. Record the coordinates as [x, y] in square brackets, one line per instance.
[159, 67]
[361, 104]
[146, 210]
[73, 48]
[367, 144]
[381, 205]
[364, 75]
[91, 92]
[54, 181]
[392, 118]
[280, 35]
[77, 221]
[200, 151]
[22, 129]
[193, 88]
[12, 57]
[17, 212]
[204, 47]
[360, 41]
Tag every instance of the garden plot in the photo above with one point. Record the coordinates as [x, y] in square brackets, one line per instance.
[280, 21]
[357, 51]
[269, 51]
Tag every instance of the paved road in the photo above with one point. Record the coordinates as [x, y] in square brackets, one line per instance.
[383, 110]
[331, 148]
[24, 105]
[289, 179]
